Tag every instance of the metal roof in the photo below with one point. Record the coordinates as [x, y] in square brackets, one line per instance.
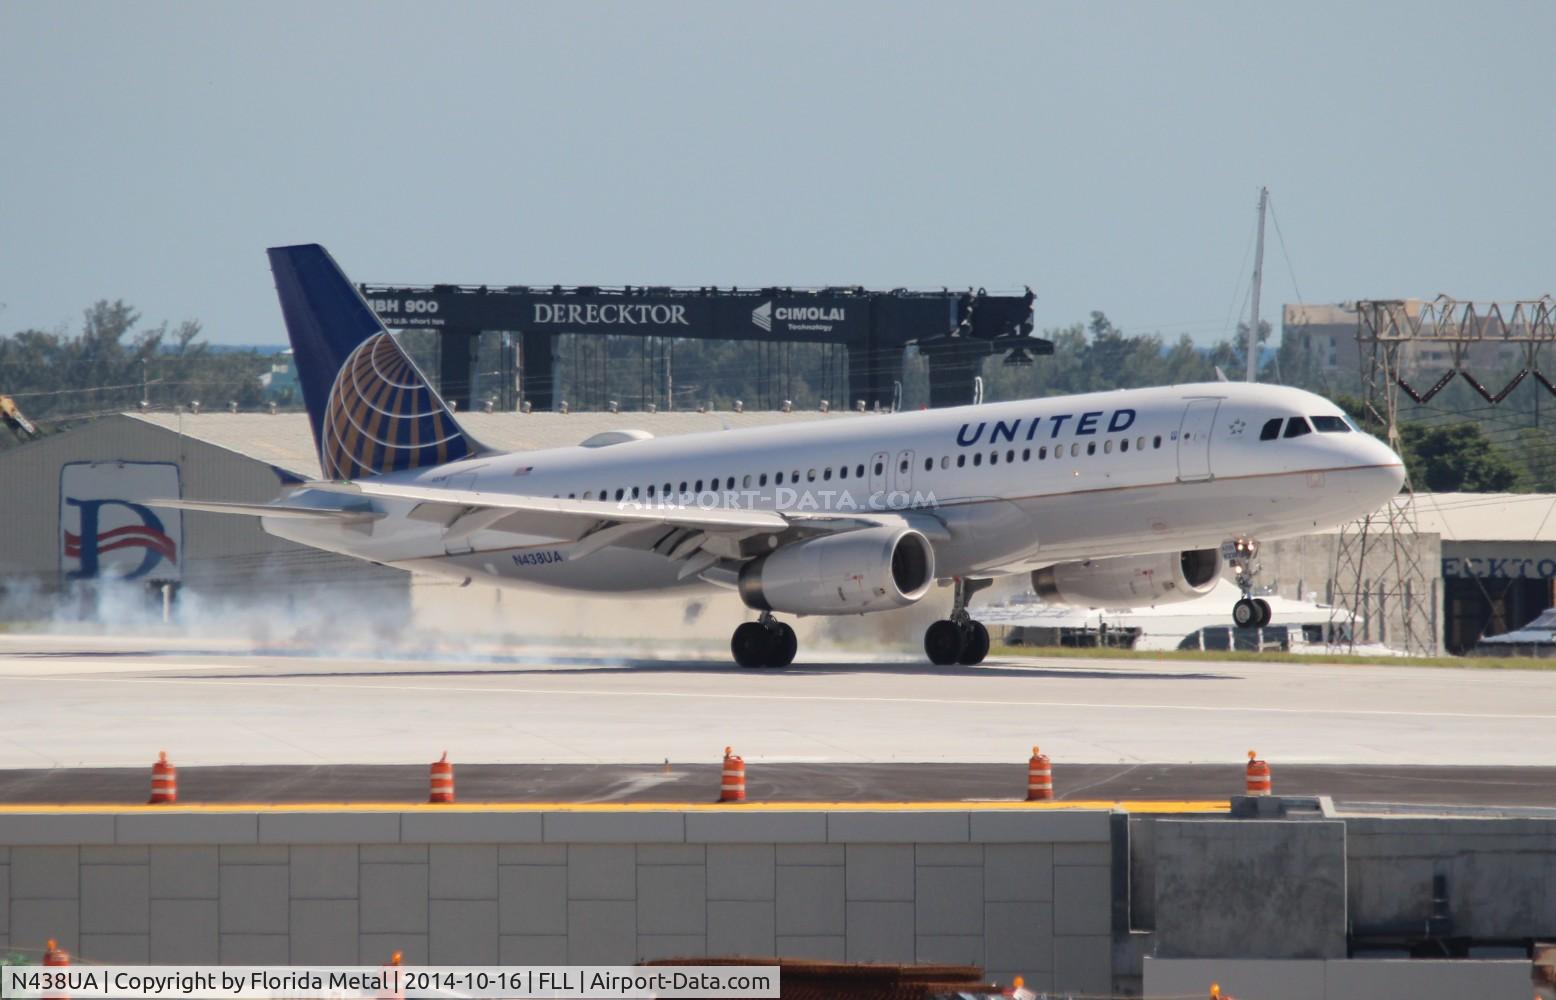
[286, 441]
[1487, 517]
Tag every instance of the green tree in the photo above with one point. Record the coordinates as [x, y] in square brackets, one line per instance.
[1456, 458]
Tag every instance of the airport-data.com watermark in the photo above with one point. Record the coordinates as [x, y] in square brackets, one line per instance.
[784, 499]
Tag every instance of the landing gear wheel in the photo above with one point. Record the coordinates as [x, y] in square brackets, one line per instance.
[1245, 613]
[749, 644]
[943, 642]
[975, 643]
[1264, 611]
[782, 645]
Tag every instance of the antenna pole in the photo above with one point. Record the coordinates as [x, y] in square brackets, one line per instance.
[1258, 281]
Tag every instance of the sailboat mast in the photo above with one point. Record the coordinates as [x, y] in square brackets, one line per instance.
[1258, 281]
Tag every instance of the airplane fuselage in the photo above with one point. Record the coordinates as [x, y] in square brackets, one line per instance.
[998, 488]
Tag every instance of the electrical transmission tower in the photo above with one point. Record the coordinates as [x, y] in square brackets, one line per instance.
[1381, 584]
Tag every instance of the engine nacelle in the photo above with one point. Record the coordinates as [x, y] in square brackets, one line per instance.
[1131, 581]
[873, 569]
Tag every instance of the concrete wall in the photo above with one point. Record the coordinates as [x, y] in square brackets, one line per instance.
[1026, 893]
[1275, 889]
[1501, 873]
[1342, 979]
[1306, 566]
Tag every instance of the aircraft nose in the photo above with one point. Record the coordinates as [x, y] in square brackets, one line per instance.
[1385, 468]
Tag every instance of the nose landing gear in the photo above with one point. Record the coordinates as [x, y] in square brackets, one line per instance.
[765, 642]
[958, 639]
[1242, 555]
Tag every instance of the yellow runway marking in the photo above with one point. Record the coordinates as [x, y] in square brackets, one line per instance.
[1184, 806]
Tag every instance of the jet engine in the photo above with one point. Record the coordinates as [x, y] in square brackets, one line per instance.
[1131, 581]
[872, 569]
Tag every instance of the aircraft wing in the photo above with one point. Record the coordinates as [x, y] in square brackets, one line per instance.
[336, 514]
[583, 511]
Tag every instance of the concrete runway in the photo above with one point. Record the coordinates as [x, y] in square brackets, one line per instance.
[1520, 787]
[114, 701]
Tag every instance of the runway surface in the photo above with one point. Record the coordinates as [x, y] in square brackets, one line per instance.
[699, 783]
[114, 701]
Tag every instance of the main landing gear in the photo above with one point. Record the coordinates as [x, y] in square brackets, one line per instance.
[958, 639]
[1243, 556]
[765, 642]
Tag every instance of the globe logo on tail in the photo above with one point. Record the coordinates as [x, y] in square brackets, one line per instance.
[382, 416]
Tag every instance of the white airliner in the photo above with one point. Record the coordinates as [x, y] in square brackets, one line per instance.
[1128, 498]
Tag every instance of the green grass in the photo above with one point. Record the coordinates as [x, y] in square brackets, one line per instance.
[1249, 656]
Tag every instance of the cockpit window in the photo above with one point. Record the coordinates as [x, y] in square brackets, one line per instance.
[1296, 427]
[1330, 425]
[1271, 429]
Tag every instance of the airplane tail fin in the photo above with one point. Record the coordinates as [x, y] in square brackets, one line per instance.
[371, 409]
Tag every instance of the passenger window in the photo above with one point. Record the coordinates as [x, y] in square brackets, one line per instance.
[961, 461]
[903, 467]
[978, 458]
[683, 486]
[745, 481]
[1010, 456]
[588, 494]
[635, 493]
[651, 489]
[1330, 425]
[730, 484]
[859, 471]
[1156, 442]
[1296, 427]
[880, 467]
[699, 486]
[1091, 447]
[1042, 453]
[1140, 444]
[1075, 450]
[1026, 454]
[994, 458]
[762, 479]
[826, 474]
[1107, 447]
[619, 494]
[778, 479]
[945, 461]
[929, 464]
[1123, 445]
[794, 476]
[1271, 429]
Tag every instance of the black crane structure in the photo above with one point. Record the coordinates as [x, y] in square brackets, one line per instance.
[953, 330]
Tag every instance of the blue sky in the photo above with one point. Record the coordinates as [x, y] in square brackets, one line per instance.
[1107, 154]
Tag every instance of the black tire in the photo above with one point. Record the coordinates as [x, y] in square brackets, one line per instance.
[943, 643]
[1264, 611]
[782, 645]
[1245, 614]
[975, 644]
[749, 644]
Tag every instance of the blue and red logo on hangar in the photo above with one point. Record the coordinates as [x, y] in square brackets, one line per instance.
[106, 529]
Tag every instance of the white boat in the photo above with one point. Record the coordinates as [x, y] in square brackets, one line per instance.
[1202, 623]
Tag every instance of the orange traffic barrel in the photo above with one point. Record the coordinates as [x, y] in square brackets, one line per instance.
[733, 786]
[1040, 777]
[442, 780]
[56, 956]
[1258, 775]
[164, 781]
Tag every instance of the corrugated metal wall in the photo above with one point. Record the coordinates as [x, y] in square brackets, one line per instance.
[222, 556]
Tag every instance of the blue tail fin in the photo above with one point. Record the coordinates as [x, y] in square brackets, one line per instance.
[372, 410]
